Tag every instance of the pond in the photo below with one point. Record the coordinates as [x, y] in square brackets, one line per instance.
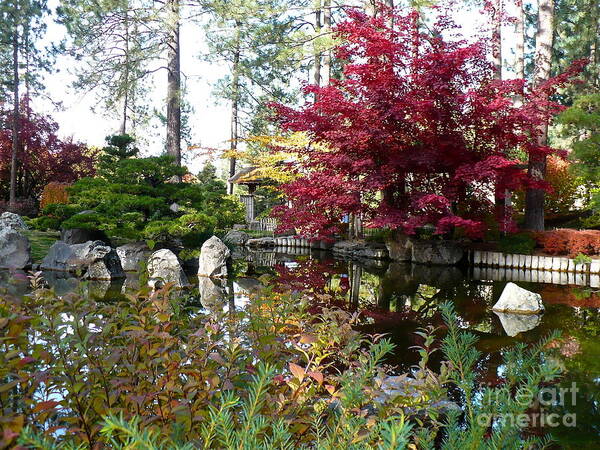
[397, 299]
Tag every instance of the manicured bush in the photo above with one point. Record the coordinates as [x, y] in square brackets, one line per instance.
[141, 198]
[570, 242]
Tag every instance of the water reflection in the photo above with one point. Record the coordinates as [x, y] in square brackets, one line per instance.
[399, 298]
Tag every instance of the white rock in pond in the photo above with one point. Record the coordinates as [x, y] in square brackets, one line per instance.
[15, 251]
[213, 259]
[515, 299]
[131, 255]
[94, 259]
[11, 220]
[514, 324]
[163, 268]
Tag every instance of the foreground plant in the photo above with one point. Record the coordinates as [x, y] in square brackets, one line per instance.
[154, 372]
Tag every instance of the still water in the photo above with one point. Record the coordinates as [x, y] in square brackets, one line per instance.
[397, 299]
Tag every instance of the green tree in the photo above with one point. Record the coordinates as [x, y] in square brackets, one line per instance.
[22, 27]
[255, 38]
[578, 36]
[581, 122]
[115, 43]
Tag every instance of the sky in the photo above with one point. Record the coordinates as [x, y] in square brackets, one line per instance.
[210, 122]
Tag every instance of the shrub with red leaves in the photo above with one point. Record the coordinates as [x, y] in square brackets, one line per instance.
[43, 156]
[417, 131]
[569, 242]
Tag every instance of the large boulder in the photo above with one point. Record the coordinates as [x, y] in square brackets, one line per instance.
[132, 255]
[213, 259]
[15, 251]
[360, 250]
[400, 248]
[82, 235]
[236, 237]
[446, 253]
[94, 259]
[213, 295]
[13, 221]
[163, 268]
[263, 242]
[517, 300]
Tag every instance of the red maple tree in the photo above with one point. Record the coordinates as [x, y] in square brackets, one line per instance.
[416, 132]
[43, 156]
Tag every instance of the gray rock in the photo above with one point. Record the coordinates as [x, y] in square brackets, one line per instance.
[163, 268]
[436, 252]
[267, 242]
[400, 248]
[132, 255]
[212, 293]
[13, 221]
[515, 299]
[15, 251]
[249, 285]
[213, 259]
[82, 235]
[514, 324]
[94, 259]
[360, 250]
[236, 237]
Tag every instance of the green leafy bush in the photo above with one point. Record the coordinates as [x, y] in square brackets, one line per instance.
[520, 243]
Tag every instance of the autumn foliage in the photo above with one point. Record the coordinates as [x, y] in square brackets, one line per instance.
[43, 157]
[569, 242]
[416, 132]
[54, 192]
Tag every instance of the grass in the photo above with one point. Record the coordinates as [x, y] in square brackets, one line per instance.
[41, 241]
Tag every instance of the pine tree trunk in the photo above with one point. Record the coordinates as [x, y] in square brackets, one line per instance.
[174, 85]
[499, 196]
[497, 39]
[318, 26]
[235, 88]
[534, 198]
[326, 69]
[123, 129]
[16, 114]
[520, 40]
